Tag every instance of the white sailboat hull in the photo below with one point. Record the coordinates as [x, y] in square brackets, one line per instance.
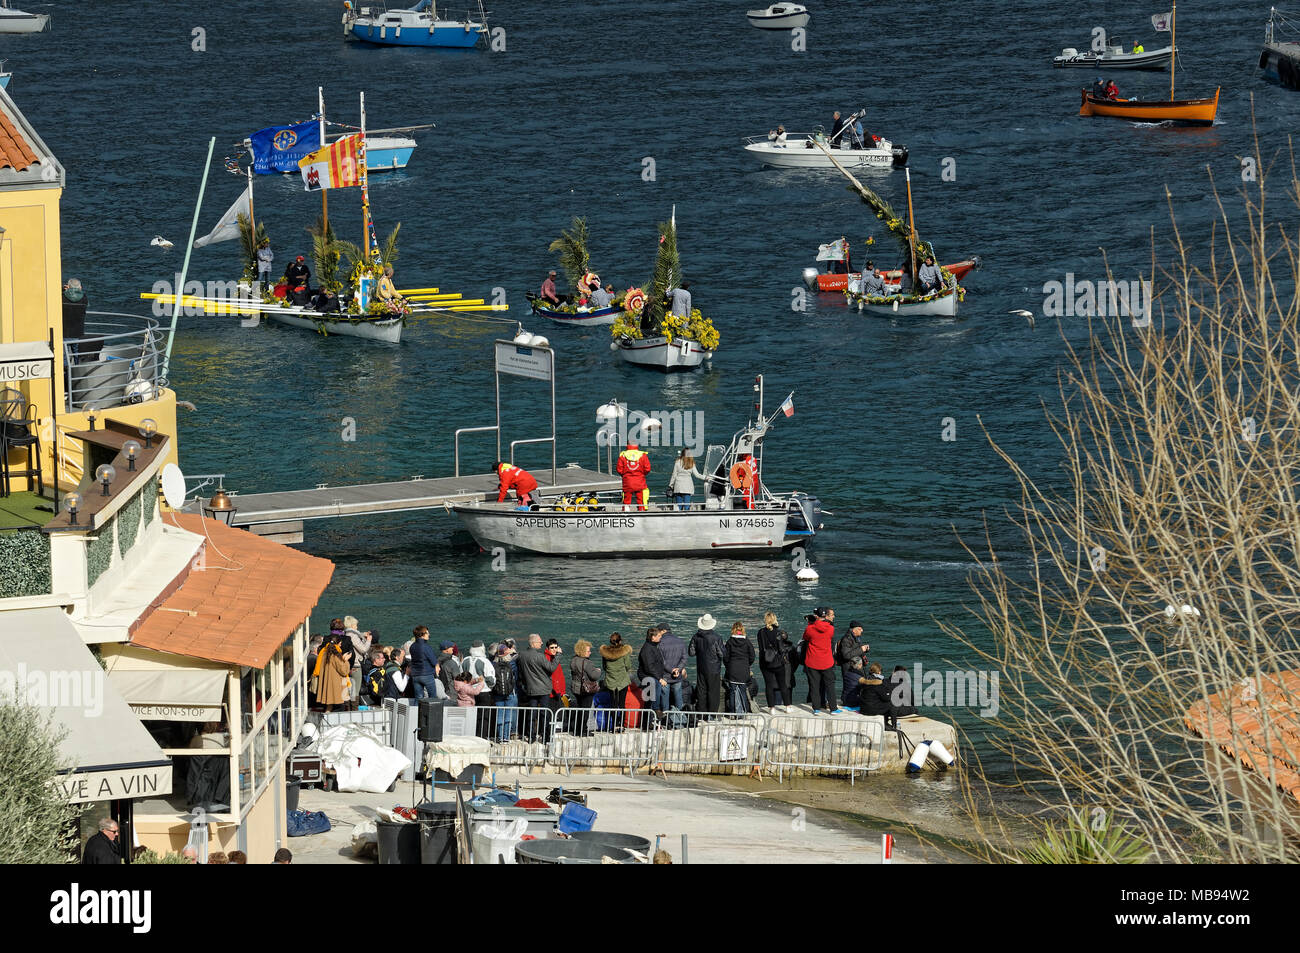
[17, 21]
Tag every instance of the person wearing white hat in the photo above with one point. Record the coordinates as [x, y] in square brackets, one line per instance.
[707, 648]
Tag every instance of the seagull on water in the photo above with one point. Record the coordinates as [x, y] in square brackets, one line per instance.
[160, 242]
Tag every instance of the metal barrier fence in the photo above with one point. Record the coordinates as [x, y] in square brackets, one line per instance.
[827, 745]
[115, 362]
[632, 739]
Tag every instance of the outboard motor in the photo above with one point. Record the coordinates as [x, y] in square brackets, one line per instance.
[804, 508]
[810, 278]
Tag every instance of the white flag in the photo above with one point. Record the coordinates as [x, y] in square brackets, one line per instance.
[228, 227]
[1161, 21]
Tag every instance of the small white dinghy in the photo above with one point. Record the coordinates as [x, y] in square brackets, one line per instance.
[779, 16]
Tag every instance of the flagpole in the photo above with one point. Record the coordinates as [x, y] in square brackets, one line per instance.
[1173, 47]
[911, 228]
[189, 247]
[252, 222]
[324, 204]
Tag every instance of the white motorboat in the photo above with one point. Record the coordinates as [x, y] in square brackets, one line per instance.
[800, 151]
[681, 354]
[779, 16]
[418, 26]
[19, 21]
[1114, 57]
[739, 515]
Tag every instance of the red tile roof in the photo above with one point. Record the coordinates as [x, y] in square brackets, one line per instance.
[14, 148]
[1235, 722]
[248, 597]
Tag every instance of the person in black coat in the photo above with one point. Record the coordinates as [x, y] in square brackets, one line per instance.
[737, 659]
[652, 673]
[103, 848]
[774, 653]
[298, 274]
[707, 648]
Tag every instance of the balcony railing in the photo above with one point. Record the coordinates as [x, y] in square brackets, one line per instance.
[118, 361]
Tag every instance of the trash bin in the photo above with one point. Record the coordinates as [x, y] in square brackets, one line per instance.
[610, 839]
[437, 833]
[568, 852]
[399, 843]
[292, 788]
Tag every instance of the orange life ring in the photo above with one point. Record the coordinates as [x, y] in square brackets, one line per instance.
[741, 477]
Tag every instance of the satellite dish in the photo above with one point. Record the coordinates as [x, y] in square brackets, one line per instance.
[173, 486]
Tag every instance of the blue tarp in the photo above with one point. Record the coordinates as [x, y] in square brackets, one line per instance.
[278, 148]
[302, 823]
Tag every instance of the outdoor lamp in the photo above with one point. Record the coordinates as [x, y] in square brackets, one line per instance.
[105, 473]
[90, 413]
[148, 427]
[73, 502]
[220, 508]
[131, 448]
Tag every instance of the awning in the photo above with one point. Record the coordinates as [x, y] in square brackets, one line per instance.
[181, 695]
[44, 661]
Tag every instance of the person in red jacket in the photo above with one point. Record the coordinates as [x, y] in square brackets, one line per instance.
[516, 478]
[553, 651]
[819, 661]
[633, 465]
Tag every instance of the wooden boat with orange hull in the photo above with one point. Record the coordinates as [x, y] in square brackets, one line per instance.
[1193, 112]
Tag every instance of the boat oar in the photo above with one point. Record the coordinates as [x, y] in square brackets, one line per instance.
[417, 291]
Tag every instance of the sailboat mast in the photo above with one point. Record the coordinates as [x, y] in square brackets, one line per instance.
[1173, 47]
[365, 185]
[324, 203]
[911, 228]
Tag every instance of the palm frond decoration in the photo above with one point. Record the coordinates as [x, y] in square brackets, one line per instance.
[895, 222]
[668, 274]
[571, 246]
[325, 253]
[388, 251]
[351, 253]
[248, 242]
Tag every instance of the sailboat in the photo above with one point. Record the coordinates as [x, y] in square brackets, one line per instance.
[19, 21]
[1188, 112]
[343, 305]
[943, 302]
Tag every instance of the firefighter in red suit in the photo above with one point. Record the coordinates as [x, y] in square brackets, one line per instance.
[518, 479]
[633, 465]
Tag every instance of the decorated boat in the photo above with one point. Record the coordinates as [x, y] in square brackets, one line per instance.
[779, 16]
[840, 277]
[1186, 112]
[650, 331]
[1280, 58]
[418, 26]
[19, 21]
[739, 516]
[1114, 57]
[942, 302]
[575, 260]
[360, 302]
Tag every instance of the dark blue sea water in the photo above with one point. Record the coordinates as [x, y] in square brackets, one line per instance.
[558, 125]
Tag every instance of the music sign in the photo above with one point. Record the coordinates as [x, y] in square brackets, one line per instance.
[25, 361]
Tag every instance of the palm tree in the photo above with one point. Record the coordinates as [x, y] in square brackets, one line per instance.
[248, 244]
[572, 249]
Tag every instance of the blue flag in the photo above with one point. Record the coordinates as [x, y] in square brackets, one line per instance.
[278, 148]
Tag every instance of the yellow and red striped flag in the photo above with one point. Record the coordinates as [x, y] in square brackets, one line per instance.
[337, 166]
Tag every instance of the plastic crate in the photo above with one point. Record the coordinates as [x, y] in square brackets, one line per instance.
[575, 818]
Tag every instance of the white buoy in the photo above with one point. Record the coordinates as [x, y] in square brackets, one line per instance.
[613, 345]
[160, 242]
[524, 338]
[1170, 611]
[1190, 610]
[540, 341]
[917, 761]
[807, 574]
[938, 750]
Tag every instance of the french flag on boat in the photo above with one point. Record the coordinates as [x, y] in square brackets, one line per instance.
[787, 408]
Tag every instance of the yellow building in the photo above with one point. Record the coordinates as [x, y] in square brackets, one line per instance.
[112, 364]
